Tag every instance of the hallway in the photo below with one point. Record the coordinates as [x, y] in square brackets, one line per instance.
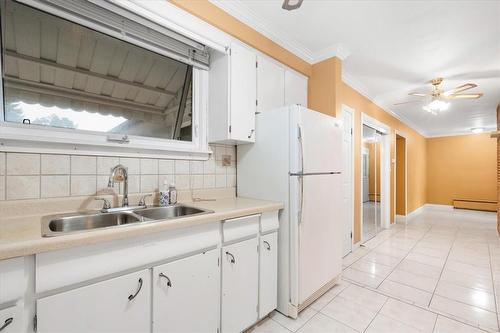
[438, 273]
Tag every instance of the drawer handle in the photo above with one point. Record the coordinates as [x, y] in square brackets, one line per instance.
[232, 260]
[251, 133]
[7, 322]
[169, 283]
[268, 246]
[131, 297]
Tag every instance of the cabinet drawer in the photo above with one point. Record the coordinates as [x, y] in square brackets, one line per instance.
[11, 319]
[122, 304]
[268, 274]
[269, 222]
[240, 228]
[11, 279]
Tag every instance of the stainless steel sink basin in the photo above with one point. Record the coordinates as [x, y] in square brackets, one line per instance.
[56, 225]
[162, 213]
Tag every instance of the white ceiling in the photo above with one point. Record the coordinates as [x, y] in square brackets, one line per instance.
[391, 48]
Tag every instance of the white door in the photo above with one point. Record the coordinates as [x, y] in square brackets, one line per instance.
[268, 274]
[319, 147]
[243, 94]
[295, 88]
[121, 304]
[239, 285]
[347, 180]
[320, 233]
[270, 85]
[186, 294]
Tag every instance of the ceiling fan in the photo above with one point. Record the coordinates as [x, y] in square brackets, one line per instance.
[439, 97]
[291, 4]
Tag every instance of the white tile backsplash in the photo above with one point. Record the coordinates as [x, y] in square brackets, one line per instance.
[83, 165]
[23, 164]
[54, 186]
[149, 166]
[23, 187]
[55, 164]
[105, 164]
[2, 164]
[34, 176]
[83, 184]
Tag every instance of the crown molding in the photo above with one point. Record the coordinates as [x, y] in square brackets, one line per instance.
[336, 50]
[241, 12]
[363, 90]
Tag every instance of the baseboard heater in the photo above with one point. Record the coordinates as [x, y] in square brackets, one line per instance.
[484, 205]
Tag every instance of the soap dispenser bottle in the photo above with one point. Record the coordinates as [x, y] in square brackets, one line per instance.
[173, 194]
[165, 195]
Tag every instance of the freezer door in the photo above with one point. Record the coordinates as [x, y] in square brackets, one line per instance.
[318, 142]
[320, 233]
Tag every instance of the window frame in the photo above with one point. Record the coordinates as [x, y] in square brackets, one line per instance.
[45, 139]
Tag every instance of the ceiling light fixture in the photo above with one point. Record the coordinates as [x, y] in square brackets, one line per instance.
[477, 130]
[291, 4]
[436, 106]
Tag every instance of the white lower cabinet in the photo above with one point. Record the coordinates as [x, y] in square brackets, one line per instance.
[268, 274]
[11, 319]
[239, 285]
[186, 294]
[121, 304]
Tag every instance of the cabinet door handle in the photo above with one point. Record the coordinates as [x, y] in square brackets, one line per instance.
[7, 322]
[231, 260]
[131, 297]
[251, 133]
[268, 246]
[169, 283]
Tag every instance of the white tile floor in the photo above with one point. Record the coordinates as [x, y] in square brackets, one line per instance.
[439, 273]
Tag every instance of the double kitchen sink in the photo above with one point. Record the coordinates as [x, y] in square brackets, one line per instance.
[56, 225]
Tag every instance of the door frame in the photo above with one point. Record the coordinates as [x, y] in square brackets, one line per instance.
[385, 170]
[352, 111]
[405, 136]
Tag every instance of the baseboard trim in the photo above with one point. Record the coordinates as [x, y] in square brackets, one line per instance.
[400, 218]
[438, 207]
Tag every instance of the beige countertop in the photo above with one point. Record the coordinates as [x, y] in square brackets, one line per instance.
[21, 236]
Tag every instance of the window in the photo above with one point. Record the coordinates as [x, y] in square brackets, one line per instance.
[60, 75]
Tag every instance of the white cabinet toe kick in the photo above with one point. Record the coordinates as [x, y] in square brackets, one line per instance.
[218, 277]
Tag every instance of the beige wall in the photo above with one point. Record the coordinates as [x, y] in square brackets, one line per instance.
[461, 167]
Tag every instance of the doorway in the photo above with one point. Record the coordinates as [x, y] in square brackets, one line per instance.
[375, 158]
[401, 179]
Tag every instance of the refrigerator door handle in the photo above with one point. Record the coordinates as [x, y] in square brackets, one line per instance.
[301, 148]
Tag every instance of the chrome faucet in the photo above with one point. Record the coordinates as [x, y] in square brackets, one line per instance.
[120, 168]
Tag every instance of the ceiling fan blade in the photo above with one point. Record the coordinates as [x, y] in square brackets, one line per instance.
[464, 96]
[401, 103]
[419, 94]
[456, 90]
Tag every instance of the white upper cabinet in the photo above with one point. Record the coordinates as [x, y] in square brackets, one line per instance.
[186, 294]
[122, 304]
[233, 96]
[270, 85]
[295, 88]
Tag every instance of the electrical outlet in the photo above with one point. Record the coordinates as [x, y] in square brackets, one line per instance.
[226, 160]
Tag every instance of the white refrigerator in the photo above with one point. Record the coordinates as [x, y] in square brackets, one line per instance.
[297, 159]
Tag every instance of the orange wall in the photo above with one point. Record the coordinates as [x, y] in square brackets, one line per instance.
[461, 167]
[400, 176]
[416, 150]
[372, 172]
[324, 86]
[227, 23]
